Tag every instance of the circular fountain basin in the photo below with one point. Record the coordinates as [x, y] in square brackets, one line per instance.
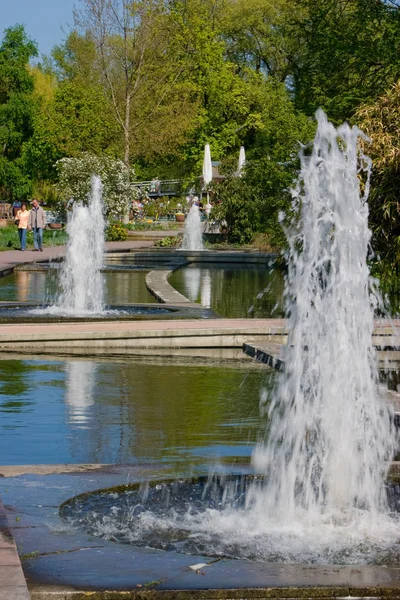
[214, 517]
[31, 312]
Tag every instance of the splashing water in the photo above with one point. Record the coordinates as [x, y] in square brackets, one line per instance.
[192, 236]
[81, 281]
[330, 439]
[330, 436]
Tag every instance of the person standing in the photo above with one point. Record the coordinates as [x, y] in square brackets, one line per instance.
[21, 220]
[37, 222]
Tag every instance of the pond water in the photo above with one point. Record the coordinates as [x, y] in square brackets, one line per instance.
[126, 409]
[41, 286]
[233, 290]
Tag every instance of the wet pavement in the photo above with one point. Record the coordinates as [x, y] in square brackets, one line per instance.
[58, 560]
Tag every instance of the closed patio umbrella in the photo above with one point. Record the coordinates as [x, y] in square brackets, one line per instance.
[207, 167]
[241, 162]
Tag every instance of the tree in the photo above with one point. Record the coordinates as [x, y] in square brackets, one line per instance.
[256, 37]
[74, 182]
[253, 203]
[16, 110]
[348, 54]
[381, 122]
[139, 76]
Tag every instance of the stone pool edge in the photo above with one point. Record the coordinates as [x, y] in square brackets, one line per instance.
[60, 565]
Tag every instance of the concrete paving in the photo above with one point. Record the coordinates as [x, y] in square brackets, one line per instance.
[12, 580]
[182, 333]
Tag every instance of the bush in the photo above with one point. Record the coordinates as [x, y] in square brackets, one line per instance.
[116, 232]
[168, 242]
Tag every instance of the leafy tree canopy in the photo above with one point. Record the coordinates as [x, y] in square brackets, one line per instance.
[16, 109]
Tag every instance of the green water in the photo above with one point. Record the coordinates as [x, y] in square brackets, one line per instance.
[41, 286]
[232, 290]
[184, 412]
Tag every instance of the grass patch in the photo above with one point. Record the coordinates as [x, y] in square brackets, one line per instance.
[9, 239]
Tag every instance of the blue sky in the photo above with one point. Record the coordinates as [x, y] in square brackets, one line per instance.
[46, 21]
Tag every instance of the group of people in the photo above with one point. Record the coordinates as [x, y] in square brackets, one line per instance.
[32, 220]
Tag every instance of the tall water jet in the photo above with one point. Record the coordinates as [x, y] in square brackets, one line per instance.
[192, 235]
[81, 281]
[330, 438]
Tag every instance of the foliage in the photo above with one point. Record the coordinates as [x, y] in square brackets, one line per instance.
[238, 207]
[348, 53]
[74, 181]
[116, 232]
[255, 36]
[168, 242]
[381, 122]
[252, 203]
[160, 207]
[153, 226]
[75, 120]
[16, 110]
[135, 62]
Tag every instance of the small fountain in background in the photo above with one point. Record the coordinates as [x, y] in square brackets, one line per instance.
[81, 281]
[193, 236]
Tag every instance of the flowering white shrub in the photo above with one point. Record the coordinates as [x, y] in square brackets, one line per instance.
[74, 181]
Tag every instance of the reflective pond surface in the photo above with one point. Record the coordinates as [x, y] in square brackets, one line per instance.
[233, 290]
[179, 411]
[41, 286]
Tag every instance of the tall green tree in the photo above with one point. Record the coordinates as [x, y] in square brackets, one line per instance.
[16, 110]
[380, 121]
[349, 53]
[253, 203]
[142, 81]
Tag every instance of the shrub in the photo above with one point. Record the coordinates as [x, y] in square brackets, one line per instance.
[168, 242]
[116, 232]
[74, 181]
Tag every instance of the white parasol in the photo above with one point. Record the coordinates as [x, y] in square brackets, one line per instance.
[207, 168]
[241, 162]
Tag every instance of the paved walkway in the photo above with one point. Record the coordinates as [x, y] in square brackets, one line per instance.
[10, 258]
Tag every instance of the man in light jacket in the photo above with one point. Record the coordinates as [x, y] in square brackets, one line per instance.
[37, 222]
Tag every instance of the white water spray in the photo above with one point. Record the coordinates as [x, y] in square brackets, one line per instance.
[81, 281]
[330, 440]
[192, 236]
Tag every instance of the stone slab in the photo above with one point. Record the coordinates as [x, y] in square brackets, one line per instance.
[12, 581]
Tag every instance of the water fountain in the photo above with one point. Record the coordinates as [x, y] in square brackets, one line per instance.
[81, 281]
[192, 236]
[319, 495]
[80, 278]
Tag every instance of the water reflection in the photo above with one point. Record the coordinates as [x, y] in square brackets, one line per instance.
[23, 286]
[206, 288]
[192, 280]
[79, 389]
[175, 411]
[42, 286]
[233, 290]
